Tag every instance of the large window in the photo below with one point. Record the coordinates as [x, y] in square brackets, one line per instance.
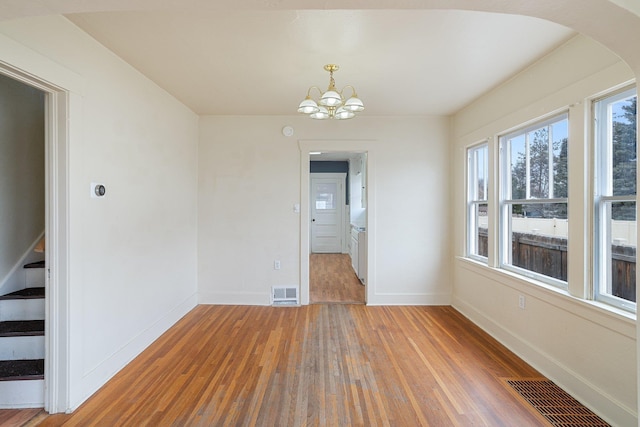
[533, 211]
[615, 199]
[527, 232]
[477, 185]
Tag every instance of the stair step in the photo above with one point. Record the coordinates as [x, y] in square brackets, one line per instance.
[26, 293]
[35, 277]
[21, 328]
[22, 309]
[37, 264]
[22, 348]
[22, 394]
[14, 370]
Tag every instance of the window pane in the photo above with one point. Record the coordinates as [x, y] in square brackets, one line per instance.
[620, 267]
[560, 140]
[477, 224]
[482, 167]
[326, 196]
[539, 163]
[480, 237]
[538, 234]
[615, 221]
[623, 134]
[518, 167]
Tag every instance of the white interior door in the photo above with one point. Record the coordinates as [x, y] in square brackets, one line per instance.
[327, 204]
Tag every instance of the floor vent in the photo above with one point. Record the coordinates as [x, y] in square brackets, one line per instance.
[554, 404]
[284, 295]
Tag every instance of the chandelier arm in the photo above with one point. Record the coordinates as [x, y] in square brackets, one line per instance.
[316, 88]
[353, 91]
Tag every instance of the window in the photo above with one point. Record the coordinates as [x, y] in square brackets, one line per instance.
[325, 196]
[615, 199]
[533, 211]
[477, 224]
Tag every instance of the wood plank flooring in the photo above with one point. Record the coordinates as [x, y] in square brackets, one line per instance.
[315, 365]
[21, 417]
[332, 280]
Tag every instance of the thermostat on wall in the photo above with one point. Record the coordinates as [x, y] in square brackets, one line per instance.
[98, 190]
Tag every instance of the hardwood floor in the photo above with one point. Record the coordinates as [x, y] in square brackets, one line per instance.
[21, 417]
[332, 280]
[316, 365]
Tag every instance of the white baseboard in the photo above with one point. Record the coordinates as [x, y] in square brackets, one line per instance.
[95, 379]
[410, 299]
[605, 405]
[234, 298]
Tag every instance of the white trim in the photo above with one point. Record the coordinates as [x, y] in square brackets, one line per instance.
[27, 66]
[355, 146]
[234, 298]
[410, 299]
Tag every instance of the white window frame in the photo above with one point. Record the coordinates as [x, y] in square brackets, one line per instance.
[603, 199]
[506, 203]
[473, 200]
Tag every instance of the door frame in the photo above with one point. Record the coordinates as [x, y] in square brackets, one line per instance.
[355, 146]
[343, 210]
[63, 90]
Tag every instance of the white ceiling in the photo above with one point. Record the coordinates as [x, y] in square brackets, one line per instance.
[251, 62]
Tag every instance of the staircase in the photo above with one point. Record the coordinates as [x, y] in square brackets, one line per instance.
[22, 346]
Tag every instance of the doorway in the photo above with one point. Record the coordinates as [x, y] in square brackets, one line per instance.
[343, 148]
[57, 136]
[22, 244]
[333, 259]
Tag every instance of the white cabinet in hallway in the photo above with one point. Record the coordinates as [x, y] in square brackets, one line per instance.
[354, 249]
[358, 252]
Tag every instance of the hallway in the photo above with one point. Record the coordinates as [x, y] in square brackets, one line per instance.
[332, 280]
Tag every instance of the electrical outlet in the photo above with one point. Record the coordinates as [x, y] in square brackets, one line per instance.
[521, 301]
[276, 265]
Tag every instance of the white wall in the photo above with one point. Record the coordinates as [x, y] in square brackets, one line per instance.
[587, 349]
[133, 253]
[21, 176]
[250, 177]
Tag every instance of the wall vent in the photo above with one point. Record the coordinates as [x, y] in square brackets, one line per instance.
[284, 295]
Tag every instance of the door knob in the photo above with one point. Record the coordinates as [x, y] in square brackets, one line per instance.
[313, 220]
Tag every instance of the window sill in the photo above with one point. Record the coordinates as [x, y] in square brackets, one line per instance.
[615, 319]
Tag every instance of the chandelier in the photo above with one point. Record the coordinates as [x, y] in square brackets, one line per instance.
[332, 104]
